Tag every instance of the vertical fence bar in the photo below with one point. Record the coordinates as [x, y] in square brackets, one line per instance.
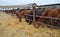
[34, 9]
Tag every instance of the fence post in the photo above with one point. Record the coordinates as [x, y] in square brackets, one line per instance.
[34, 9]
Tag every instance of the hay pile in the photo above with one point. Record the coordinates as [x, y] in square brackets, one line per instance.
[11, 27]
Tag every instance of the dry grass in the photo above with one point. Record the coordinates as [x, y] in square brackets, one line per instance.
[11, 27]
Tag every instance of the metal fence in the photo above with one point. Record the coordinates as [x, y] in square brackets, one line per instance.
[51, 18]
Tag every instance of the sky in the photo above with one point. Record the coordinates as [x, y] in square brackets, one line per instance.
[23, 2]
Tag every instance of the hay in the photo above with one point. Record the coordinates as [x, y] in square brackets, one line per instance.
[11, 27]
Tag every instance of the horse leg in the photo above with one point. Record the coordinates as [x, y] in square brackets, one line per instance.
[19, 19]
[45, 20]
[58, 23]
[49, 21]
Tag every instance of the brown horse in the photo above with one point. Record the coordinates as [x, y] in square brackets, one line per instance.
[7, 11]
[50, 13]
[18, 12]
[24, 13]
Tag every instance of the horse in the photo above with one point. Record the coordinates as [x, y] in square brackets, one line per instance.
[18, 13]
[24, 13]
[12, 11]
[55, 13]
[9, 11]
[6, 11]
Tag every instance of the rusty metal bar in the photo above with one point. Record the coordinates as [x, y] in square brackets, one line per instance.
[48, 17]
[28, 15]
[48, 25]
[34, 14]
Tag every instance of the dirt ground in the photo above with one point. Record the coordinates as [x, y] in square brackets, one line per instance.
[11, 27]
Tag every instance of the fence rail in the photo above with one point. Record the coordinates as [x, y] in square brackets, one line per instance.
[45, 17]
